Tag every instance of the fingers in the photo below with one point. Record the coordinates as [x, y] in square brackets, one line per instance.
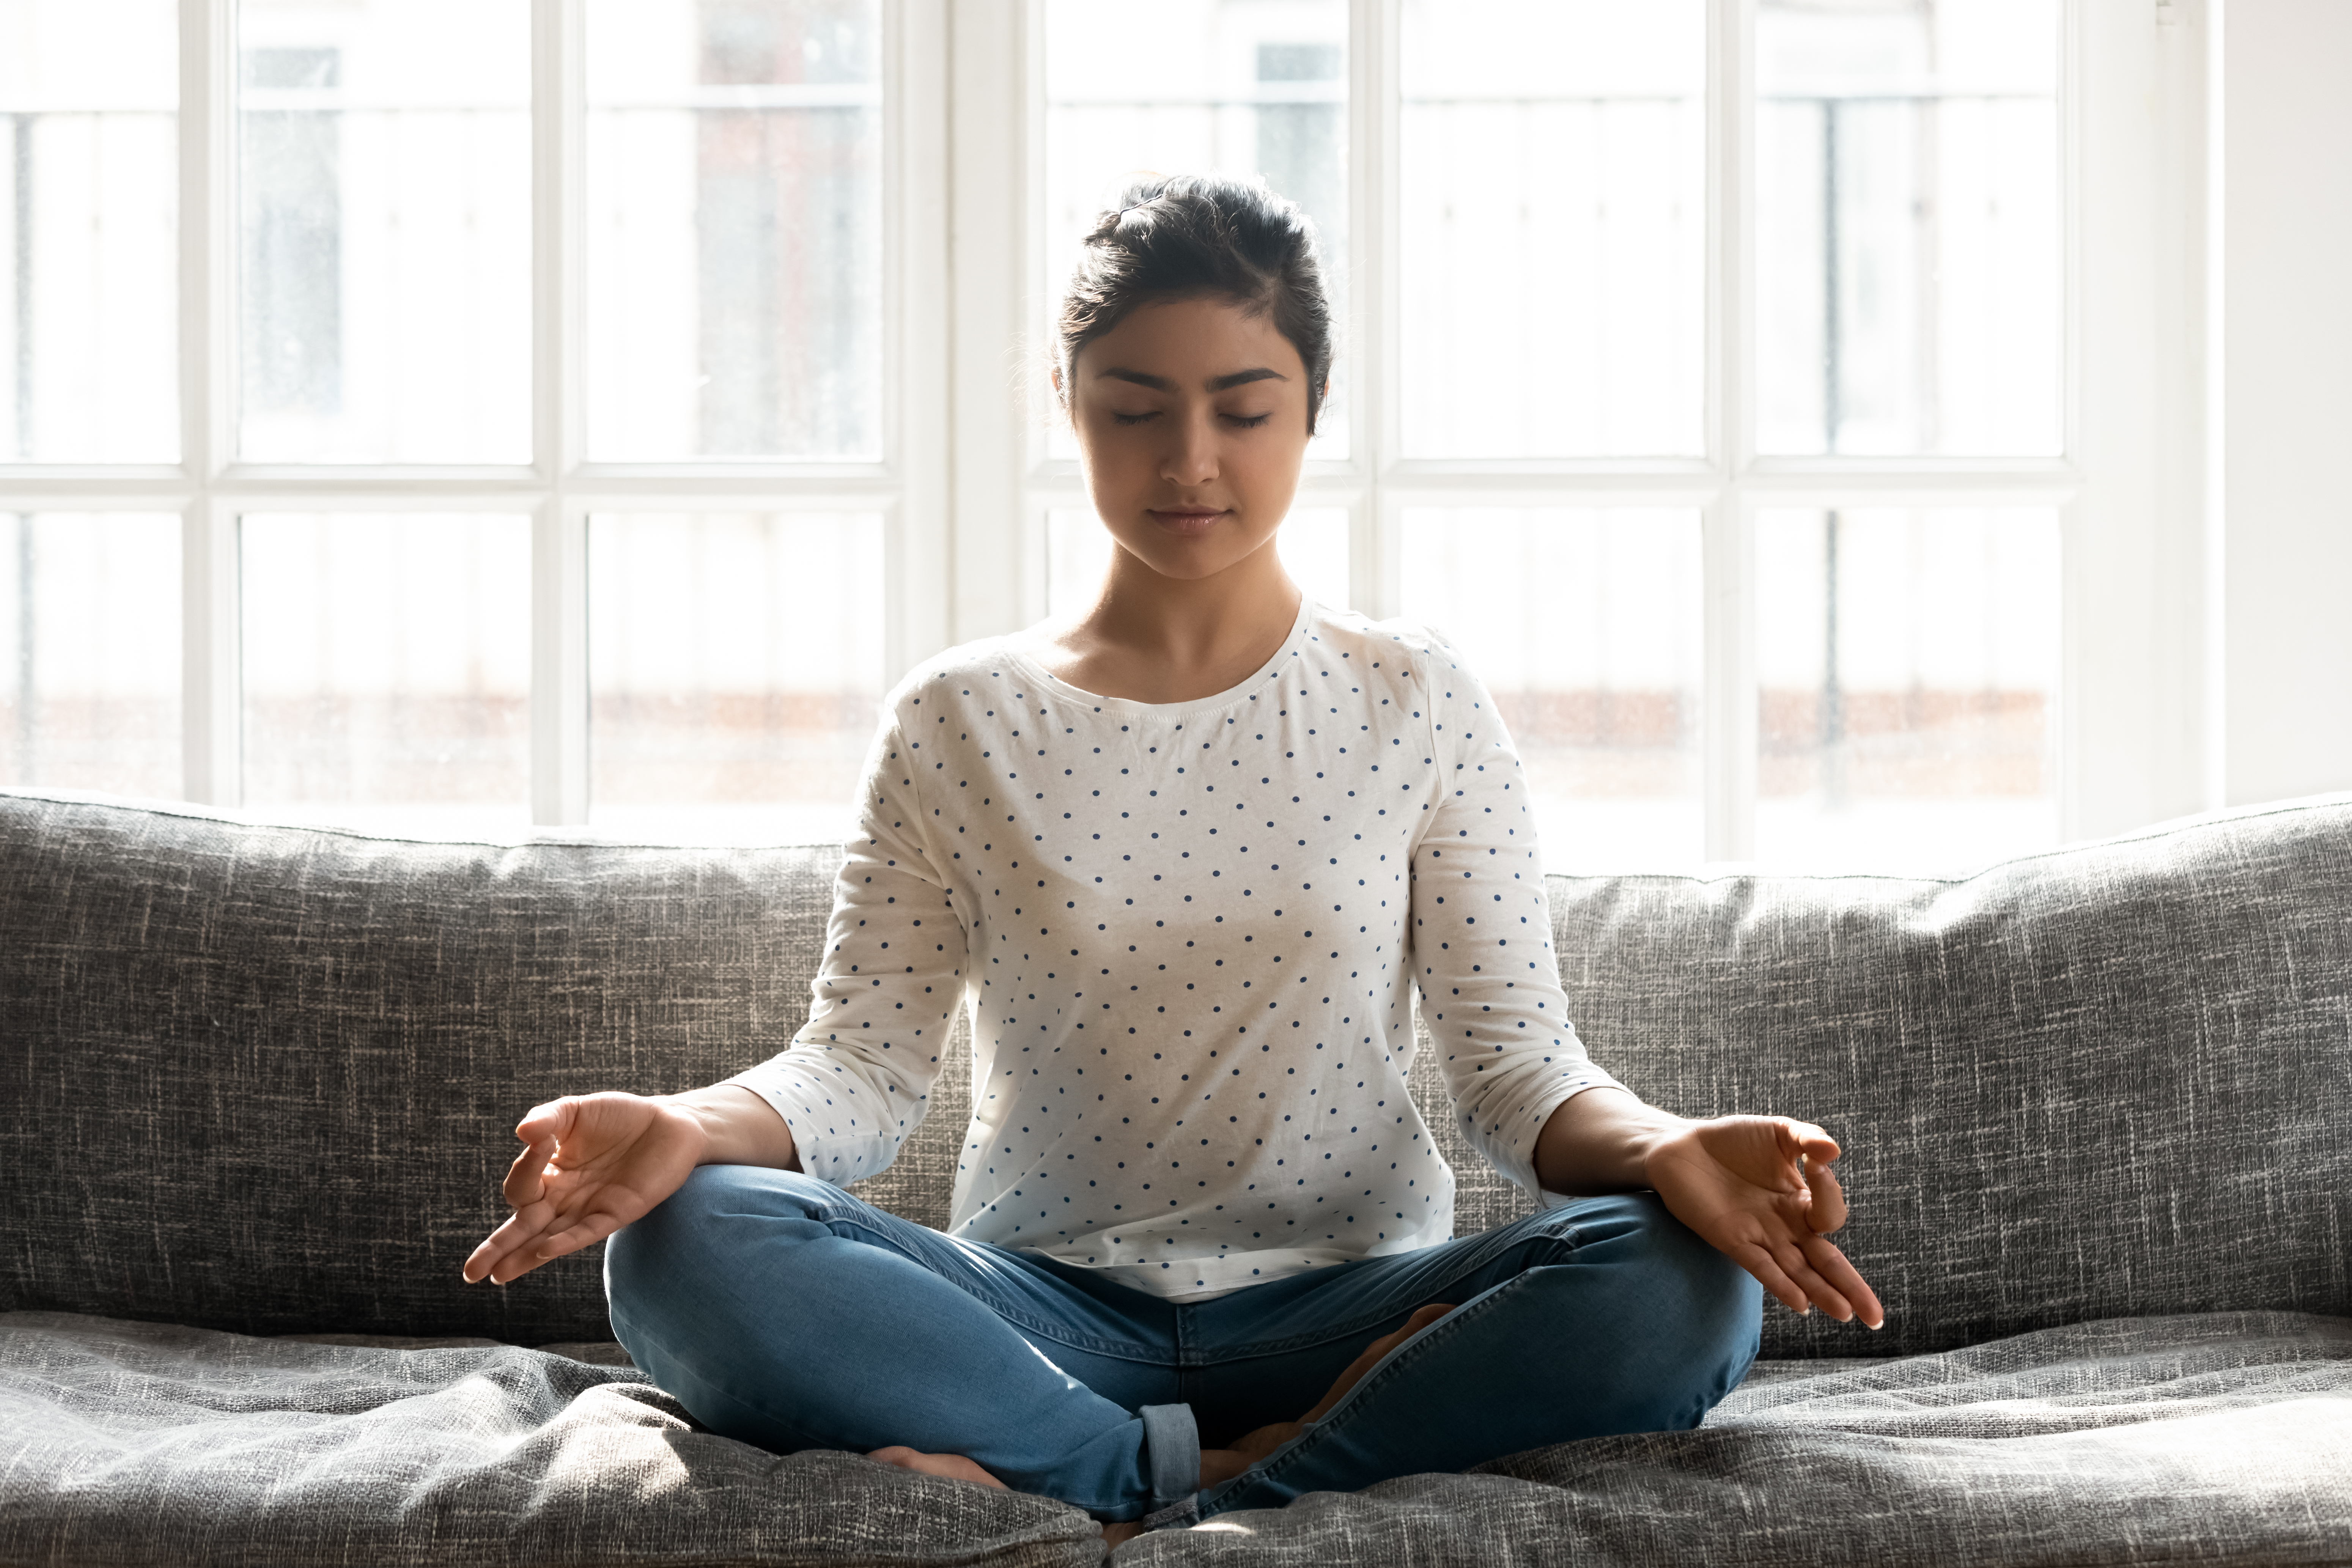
[1812, 1151]
[1818, 1291]
[588, 1232]
[1793, 1281]
[1815, 1273]
[1777, 1284]
[504, 1254]
[550, 1121]
[526, 1180]
[522, 1242]
[1828, 1211]
[1810, 1140]
[1833, 1266]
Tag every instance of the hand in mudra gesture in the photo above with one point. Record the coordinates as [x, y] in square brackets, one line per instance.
[1760, 1190]
[590, 1164]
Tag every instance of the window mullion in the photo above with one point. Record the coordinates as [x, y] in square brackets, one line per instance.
[998, 525]
[1375, 546]
[559, 665]
[211, 683]
[558, 88]
[210, 687]
[559, 676]
[1728, 707]
[918, 542]
[1728, 701]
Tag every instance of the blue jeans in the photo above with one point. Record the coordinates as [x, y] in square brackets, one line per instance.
[782, 1310]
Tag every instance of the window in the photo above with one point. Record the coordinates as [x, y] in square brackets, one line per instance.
[523, 389]
[1709, 380]
[1779, 401]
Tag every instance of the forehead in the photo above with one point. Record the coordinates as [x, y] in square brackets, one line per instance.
[1192, 340]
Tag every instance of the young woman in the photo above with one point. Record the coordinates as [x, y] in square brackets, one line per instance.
[1186, 856]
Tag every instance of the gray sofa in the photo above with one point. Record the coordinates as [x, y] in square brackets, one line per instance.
[2097, 1106]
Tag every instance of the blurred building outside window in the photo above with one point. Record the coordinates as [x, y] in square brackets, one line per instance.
[734, 300]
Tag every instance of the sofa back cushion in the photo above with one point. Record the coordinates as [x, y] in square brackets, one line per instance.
[263, 1078]
[2110, 1080]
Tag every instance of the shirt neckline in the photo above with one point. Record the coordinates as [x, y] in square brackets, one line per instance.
[1292, 644]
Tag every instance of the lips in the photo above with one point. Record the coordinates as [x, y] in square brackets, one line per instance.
[1186, 523]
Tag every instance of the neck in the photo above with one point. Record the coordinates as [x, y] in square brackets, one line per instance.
[1150, 638]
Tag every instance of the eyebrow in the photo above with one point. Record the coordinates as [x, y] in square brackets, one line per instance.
[1214, 383]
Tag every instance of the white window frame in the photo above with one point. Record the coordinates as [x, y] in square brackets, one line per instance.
[2139, 728]
[964, 482]
[210, 489]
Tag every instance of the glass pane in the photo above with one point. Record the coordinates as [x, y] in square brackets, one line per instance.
[1554, 227]
[384, 220]
[735, 673]
[1191, 87]
[1586, 625]
[1313, 543]
[387, 670]
[1906, 226]
[1907, 667]
[89, 232]
[90, 642]
[734, 228]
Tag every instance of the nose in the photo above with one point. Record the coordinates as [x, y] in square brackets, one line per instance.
[1192, 455]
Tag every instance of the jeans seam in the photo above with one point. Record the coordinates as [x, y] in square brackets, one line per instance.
[807, 1439]
[1289, 1453]
[1125, 1350]
[1358, 1325]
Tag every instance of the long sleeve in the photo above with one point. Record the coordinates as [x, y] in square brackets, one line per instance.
[1482, 935]
[856, 1078]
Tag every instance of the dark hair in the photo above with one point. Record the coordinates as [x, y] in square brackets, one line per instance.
[1198, 236]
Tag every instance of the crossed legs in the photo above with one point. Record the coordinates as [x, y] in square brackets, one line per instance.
[781, 1310]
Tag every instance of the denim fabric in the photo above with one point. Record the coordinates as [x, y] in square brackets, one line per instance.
[782, 1310]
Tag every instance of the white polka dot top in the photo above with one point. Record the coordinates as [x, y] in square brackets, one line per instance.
[1186, 932]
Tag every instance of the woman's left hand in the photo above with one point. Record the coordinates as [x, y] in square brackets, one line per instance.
[1760, 1190]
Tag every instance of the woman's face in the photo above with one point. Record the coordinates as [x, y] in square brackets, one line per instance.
[1192, 425]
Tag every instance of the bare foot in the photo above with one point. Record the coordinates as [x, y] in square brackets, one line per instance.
[1223, 1464]
[954, 1467]
[1216, 1464]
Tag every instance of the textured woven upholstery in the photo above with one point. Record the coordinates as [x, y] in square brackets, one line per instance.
[259, 1079]
[264, 1075]
[2224, 1438]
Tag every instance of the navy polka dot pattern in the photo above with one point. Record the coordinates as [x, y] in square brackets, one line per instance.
[1188, 934]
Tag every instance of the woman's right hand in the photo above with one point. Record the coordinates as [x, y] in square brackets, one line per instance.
[590, 1164]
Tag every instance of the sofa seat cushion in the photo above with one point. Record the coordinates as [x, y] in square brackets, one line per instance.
[130, 1444]
[2217, 1439]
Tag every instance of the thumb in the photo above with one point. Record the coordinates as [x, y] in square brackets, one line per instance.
[1819, 1147]
[551, 1123]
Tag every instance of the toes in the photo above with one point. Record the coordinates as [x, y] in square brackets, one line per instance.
[1420, 1319]
[952, 1467]
[1257, 1444]
[1374, 1352]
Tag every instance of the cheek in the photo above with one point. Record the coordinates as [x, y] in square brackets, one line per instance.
[1110, 453]
[1266, 471]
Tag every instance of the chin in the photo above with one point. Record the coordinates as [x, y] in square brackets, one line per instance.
[1185, 571]
[1184, 565]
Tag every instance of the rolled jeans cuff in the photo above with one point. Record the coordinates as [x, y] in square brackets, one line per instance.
[1171, 1442]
